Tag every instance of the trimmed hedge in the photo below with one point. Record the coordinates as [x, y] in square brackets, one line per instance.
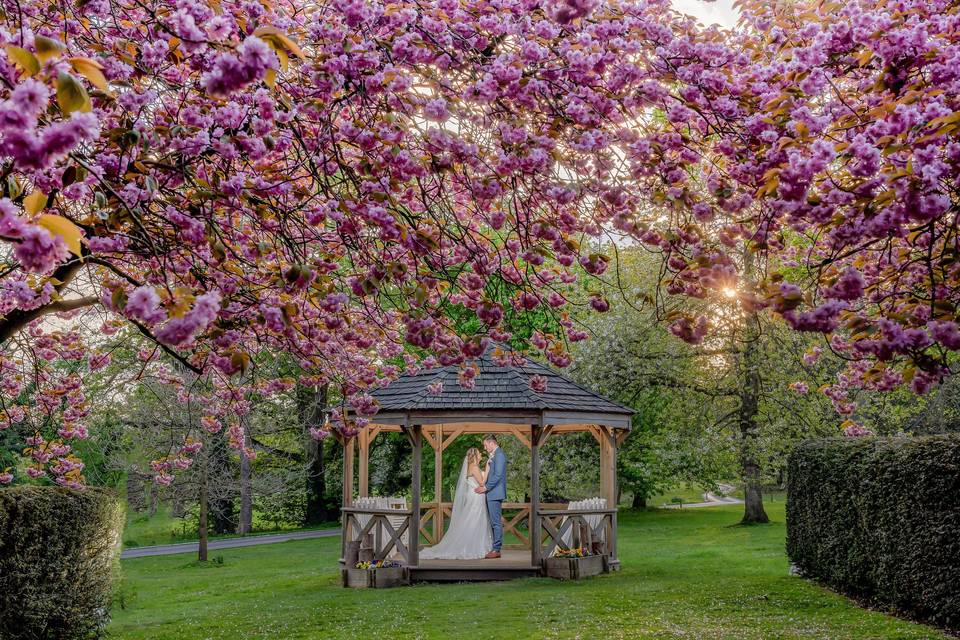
[58, 555]
[879, 518]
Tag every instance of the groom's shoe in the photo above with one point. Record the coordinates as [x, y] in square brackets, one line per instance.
[492, 554]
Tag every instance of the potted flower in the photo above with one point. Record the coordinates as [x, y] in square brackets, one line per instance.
[573, 564]
[381, 574]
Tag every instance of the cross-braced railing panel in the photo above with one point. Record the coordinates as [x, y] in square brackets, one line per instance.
[387, 526]
[598, 537]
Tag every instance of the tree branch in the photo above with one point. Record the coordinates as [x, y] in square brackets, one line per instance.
[19, 318]
[170, 352]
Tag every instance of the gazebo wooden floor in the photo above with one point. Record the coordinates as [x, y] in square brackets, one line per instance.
[514, 563]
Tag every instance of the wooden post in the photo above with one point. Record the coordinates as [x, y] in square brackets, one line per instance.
[608, 467]
[608, 487]
[345, 521]
[416, 440]
[347, 472]
[535, 434]
[438, 484]
[614, 560]
[604, 489]
[363, 443]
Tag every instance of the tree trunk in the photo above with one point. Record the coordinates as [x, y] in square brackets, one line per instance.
[245, 524]
[750, 385]
[222, 486]
[136, 493]
[202, 526]
[639, 501]
[312, 404]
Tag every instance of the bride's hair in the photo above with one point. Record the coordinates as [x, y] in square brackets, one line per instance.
[473, 455]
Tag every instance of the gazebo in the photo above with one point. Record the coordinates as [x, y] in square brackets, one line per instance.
[501, 402]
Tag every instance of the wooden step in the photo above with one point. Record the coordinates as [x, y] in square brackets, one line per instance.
[471, 574]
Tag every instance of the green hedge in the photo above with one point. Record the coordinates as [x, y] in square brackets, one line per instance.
[880, 519]
[58, 555]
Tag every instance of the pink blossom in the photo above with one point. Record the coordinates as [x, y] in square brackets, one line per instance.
[538, 384]
[812, 356]
[854, 430]
[98, 361]
[436, 110]
[945, 332]
[849, 286]
[182, 330]
[688, 330]
[318, 433]
[599, 304]
[144, 304]
[39, 251]
[30, 96]
[231, 73]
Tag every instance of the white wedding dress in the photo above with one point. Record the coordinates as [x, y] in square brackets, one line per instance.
[469, 536]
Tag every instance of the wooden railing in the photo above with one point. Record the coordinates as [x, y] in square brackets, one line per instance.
[516, 521]
[555, 523]
[600, 538]
[387, 537]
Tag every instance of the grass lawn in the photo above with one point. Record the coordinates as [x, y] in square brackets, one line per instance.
[143, 530]
[688, 492]
[686, 574]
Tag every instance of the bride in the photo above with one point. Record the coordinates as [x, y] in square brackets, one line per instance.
[469, 536]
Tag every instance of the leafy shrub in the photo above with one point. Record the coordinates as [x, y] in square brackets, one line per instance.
[880, 519]
[287, 508]
[58, 554]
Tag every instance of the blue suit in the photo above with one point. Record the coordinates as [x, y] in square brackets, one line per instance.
[496, 486]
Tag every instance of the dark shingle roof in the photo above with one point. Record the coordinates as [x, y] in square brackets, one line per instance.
[497, 387]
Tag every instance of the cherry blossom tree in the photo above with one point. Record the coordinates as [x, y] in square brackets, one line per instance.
[323, 179]
[329, 179]
[822, 137]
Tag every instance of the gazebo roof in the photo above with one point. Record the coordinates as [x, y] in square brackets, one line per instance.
[501, 394]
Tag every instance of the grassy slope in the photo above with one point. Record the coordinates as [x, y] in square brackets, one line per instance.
[686, 574]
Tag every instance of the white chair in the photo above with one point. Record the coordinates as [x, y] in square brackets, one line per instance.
[379, 531]
[594, 520]
[591, 519]
[397, 521]
[363, 503]
[567, 537]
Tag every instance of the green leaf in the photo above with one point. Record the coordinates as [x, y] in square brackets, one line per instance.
[35, 202]
[71, 96]
[69, 232]
[47, 48]
[91, 70]
[14, 188]
[23, 59]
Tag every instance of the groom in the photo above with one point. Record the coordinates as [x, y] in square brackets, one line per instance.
[496, 490]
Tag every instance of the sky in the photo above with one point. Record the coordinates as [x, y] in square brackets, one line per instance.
[720, 11]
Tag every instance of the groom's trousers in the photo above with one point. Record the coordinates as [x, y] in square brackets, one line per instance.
[494, 509]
